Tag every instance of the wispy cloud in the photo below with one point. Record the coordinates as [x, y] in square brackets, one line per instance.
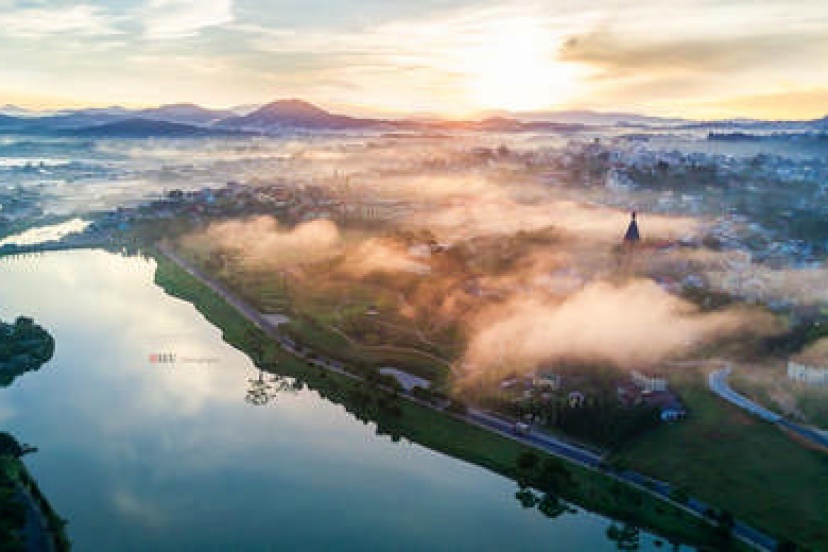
[784, 104]
[78, 20]
[170, 19]
[623, 54]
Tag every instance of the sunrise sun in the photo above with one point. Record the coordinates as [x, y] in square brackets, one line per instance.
[515, 68]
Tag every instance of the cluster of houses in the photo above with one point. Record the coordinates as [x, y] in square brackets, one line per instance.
[652, 389]
[642, 388]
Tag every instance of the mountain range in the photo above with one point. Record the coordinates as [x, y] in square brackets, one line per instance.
[183, 120]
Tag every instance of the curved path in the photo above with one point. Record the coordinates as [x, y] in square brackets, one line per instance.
[717, 382]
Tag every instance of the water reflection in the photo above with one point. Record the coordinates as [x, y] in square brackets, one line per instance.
[264, 389]
[144, 454]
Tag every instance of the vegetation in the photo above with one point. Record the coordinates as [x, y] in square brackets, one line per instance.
[330, 315]
[748, 467]
[600, 419]
[24, 346]
[12, 511]
[15, 484]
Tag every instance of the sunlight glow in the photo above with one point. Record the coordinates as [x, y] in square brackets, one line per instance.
[515, 68]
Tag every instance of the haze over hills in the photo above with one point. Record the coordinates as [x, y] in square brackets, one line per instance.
[295, 114]
[588, 117]
[138, 127]
[186, 113]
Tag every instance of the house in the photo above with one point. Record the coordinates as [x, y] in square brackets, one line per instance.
[670, 407]
[547, 380]
[407, 381]
[807, 374]
[649, 382]
[651, 390]
[575, 399]
[629, 394]
[811, 365]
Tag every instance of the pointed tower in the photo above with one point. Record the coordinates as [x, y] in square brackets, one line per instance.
[632, 236]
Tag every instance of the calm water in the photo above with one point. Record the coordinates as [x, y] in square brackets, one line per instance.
[146, 456]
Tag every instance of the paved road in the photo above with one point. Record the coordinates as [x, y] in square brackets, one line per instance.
[717, 381]
[719, 385]
[541, 441]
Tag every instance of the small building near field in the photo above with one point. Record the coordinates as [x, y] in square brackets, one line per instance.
[649, 382]
[407, 381]
[809, 375]
[811, 365]
[547, 380]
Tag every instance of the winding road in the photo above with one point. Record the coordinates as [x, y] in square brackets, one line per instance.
[717, 381]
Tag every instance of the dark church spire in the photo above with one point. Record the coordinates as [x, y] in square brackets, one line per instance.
[632, 234]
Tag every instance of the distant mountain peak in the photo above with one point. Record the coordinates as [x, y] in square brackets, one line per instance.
[188, 113]
[295, 113]
[294, 107]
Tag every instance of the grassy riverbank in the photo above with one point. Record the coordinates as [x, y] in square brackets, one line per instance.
[329, 315]
[439, 431]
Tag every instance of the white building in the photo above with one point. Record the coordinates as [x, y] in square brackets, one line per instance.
[810, 375]
[649, 383]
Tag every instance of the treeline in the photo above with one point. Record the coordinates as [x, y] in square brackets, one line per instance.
[600, 419]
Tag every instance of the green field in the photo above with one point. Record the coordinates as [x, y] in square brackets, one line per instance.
[437, 430]
[770, 386]
[323, 311]
[746, 466]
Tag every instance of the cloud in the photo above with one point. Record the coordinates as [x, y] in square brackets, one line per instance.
[623, 54]
[78, 20]
[262, 243]
[494, 214]
[375, 256]
[753, 281]
[170, 19]
[631, 325]
[777, 105]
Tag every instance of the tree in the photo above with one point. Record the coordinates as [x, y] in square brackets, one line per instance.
[527, 461]
[9, 446]
[551, 506]
[626, 537]
[554, 474]
[527, 498]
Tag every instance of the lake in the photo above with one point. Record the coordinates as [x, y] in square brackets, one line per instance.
[143, 454]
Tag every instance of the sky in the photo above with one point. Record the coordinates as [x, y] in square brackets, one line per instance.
[456, 58]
